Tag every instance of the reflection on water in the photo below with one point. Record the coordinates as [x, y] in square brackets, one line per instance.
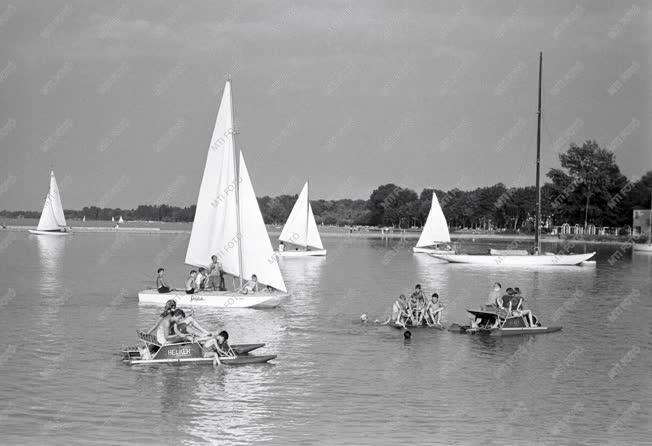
[51, 250]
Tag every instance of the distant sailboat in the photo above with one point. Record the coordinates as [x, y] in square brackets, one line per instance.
[516, 258]
[646, 247]
[301, 230]
[435, 237]
[84, 219]
[113, 219]
[120, 220]
[228, 224]
[52, 221]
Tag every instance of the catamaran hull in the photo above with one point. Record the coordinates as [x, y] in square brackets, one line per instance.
[37, 232]
[133, 353]
[518, 260]
[501, 332]
[227, 360]
[317, 252]
[642, 247]
[412, 327]
[224, 299]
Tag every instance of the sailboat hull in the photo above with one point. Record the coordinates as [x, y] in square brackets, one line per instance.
[316, 252]
[431, 251]
[518, 260]
[223, 299]
[37, 232]
[642, 247]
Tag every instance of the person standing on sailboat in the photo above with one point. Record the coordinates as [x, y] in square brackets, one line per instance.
[215, 279]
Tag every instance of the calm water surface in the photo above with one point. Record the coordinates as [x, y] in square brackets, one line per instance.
[69, 304]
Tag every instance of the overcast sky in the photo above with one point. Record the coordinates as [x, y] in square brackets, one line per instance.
[120, 98]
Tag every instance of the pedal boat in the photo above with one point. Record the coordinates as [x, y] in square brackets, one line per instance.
[188, 353]
[508, 325]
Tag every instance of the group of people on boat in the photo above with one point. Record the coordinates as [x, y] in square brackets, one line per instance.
[416, 310]
[509, 303]
[207, 279]
[173, 326]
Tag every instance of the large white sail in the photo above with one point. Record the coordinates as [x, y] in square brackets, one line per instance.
[257, 253]
[214, 229]
[301, 228]
[52, 217]
[436, 229]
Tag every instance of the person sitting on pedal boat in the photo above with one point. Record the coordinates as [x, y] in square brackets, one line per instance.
[434, 310]
[170, 306]
[188, 327]
[281, 247]
[494, 295]
[517, 307]
[251, 286]
[161, 283]
[165, 329]
[219, 344]
[415, 297]
[191, 284]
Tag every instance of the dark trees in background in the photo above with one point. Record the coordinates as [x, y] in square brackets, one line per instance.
[588, 188]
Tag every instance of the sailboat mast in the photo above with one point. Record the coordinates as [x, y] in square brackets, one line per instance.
[307, 209]
[236, 166]
[537, 220]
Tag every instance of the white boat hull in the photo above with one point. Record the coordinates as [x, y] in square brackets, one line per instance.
[642, 247]
[223, 299]
[316, 252]
[542, 260]
[37, 232]
[417, 250]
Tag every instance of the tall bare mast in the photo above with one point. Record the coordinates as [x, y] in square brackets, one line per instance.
[537, 220]
[307, 210]
[236, 165]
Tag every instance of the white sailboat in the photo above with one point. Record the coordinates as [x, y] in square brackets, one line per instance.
[120, 220]
[228, 224]
[646, 247]
[301, 230]
[113, 219]
[52, 221]
[518, 259]
[84, 219]
[435, 238]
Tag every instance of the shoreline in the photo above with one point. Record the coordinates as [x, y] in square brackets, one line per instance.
[329, 232]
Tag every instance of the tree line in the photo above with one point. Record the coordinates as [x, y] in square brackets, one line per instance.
[588, 189]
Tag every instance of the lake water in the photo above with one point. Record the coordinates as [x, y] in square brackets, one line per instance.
[69, 304]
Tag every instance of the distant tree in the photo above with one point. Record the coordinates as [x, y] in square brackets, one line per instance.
[586, 182]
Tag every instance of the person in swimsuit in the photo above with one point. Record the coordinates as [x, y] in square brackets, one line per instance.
[251, 286]
[161, 283]
[494, 295]
[215, 279]
[191, 284]
[170, 306]
[434, 311]
[517, 307]
[164, 331]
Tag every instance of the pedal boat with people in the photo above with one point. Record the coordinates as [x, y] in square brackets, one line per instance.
[188, 353]
[508, 325]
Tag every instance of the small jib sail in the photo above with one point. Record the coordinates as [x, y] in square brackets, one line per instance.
[228, 222]
[120, 220]
[436, 229]
[52, 218]
[301, 228]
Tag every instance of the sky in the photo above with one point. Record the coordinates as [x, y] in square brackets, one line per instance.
[120, 98]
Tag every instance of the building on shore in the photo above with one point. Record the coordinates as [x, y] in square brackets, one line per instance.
[641, 222]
